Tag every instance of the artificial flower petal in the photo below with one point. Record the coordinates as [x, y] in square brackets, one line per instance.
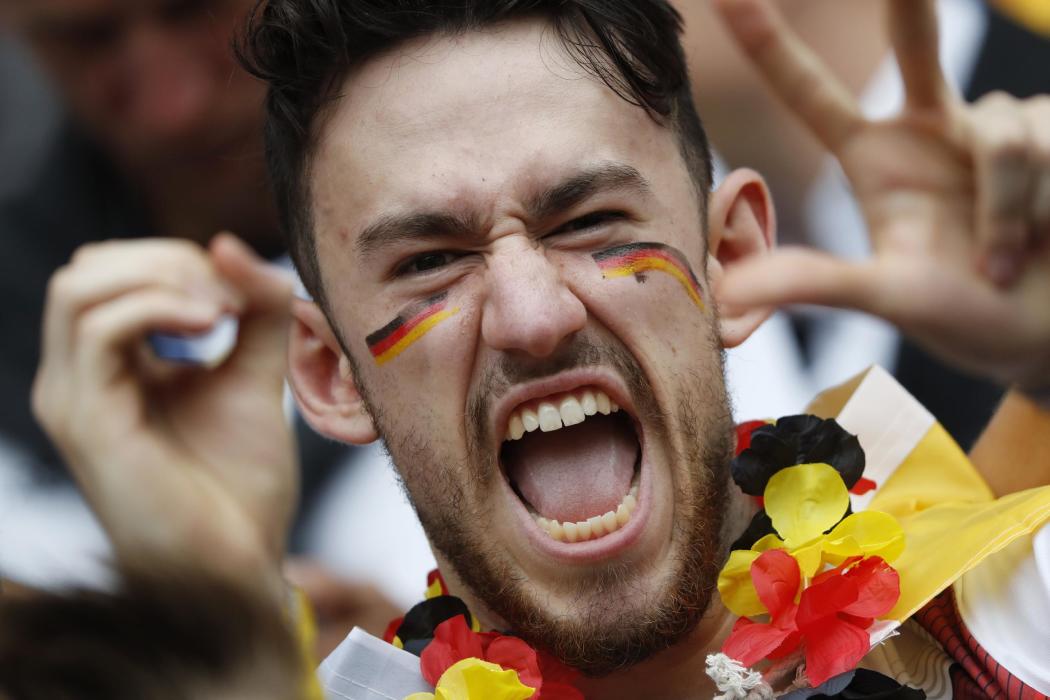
[775, 575]
[805, 500]
[768, 542]
[420, 696]
[418, 626]
[511, 652]
[750, 642]
[878, 588]
[759, 527]
[810, 557]
[453, 641]
[863, 486]
[833, 646]
[796, 440]
[825, 599]
[735, 585]
[868, 533]
[474, 679]
[743, 433]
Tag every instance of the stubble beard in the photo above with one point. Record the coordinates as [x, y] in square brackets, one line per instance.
[615, 623]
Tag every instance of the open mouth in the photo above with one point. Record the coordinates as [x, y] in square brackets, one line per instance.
[574, 459]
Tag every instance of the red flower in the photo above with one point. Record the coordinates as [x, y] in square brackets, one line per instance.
[455, 641]
[830, 620]
[743, 433]
[862, 486]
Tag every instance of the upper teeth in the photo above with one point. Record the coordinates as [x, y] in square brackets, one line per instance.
[561, 410]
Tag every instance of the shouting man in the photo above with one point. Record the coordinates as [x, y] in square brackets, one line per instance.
[524, 282]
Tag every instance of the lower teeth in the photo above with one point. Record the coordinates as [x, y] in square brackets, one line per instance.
[593, 527]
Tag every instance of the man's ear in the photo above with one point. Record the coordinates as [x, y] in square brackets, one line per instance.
[322, 381]
[741, 224]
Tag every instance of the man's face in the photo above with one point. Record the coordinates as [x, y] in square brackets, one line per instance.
[463, 189]
[152, 80]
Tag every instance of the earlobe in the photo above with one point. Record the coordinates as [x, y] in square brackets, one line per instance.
[741, 224]
[322, 379]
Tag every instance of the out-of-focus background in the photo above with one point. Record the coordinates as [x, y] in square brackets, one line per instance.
[103, 103]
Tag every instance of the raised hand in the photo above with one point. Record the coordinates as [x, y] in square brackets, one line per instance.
[182, 465]
[956, 199]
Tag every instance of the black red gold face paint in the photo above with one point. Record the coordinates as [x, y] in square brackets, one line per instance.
[636, 258]
[414, 321]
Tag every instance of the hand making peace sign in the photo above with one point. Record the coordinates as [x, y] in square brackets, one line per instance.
[956, 198]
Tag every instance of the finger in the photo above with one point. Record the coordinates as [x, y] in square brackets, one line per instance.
[1000, 145]
[794, 72]
[100, 272]
[264, 286]
[1037, 116]
[107, 335]
[801, 276]
[268, 292]
[913, 32]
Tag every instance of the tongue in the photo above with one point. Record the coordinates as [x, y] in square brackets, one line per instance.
[574, 473]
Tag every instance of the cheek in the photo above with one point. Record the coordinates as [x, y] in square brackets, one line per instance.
[418, 364]
[647, 294]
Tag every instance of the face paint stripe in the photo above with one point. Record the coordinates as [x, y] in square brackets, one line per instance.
[639, 250]
[631, 259]
[413, 335]
[407, 316]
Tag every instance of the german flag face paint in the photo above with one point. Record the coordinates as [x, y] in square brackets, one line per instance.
[411, 324]
[637, 258]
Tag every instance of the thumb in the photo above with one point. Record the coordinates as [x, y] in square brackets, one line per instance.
[266, 288]
[800, 276]
[267, 292]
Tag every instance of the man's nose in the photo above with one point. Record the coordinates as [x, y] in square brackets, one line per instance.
[528, 308]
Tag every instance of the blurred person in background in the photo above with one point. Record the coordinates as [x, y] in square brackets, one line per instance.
[985, 46]
[159, 137]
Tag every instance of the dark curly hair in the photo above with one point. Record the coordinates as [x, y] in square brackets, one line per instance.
[303, 50]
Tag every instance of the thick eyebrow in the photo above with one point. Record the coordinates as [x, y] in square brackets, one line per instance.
[604, 177]
[395, 228]
[391, 229]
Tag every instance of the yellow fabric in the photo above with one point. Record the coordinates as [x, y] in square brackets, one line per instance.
[306, 631]
[950, 519]
[946, 541]
[936, 471]
[1033, 14]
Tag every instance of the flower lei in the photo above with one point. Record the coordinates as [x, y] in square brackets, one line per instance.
[815, 574]
[463, 663]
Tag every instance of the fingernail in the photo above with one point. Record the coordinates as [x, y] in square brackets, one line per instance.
[1002, 267]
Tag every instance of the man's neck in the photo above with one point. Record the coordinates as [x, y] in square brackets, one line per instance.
[674, 674]
[680, 672]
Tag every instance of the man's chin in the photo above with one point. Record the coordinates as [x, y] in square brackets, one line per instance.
[619, 617]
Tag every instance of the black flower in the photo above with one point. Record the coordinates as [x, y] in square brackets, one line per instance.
[416, 630]
[797, 440]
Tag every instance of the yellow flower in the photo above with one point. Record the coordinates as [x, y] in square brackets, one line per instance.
[474, 679]
[803, 502]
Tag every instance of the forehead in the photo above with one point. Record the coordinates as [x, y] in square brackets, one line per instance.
[478, 120]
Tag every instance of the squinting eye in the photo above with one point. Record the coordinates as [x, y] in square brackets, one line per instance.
[590, 221]
[426, 262]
